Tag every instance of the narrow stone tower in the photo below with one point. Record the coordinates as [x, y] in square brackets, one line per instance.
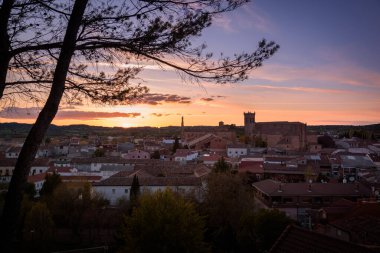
[182, 127]
[249, 123]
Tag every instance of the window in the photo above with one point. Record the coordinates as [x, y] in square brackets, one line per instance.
[306, 200]
[113, 191]
[126, 191]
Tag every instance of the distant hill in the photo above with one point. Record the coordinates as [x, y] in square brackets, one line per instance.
[375, 128]
[21, 130]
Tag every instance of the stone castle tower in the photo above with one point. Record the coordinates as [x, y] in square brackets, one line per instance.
[249, 123]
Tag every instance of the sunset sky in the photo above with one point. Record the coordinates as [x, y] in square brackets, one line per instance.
[327, 71]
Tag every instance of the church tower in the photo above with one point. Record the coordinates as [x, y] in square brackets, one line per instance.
[182, 127]
[249, 123]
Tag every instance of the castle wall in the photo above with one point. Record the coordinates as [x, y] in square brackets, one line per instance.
[285, 135]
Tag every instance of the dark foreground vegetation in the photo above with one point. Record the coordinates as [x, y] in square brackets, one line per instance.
[68, 217]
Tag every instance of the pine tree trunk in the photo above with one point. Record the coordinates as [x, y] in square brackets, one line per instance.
[5, 13]
[11, 211]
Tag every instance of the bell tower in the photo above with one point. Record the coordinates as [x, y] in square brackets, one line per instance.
[249, 123]
[182, 126]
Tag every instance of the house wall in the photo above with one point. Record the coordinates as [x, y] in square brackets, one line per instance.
[114, 193]
[314, 148]
[61, 150]
[83, 167]
[11, 155]
[180, 159]
[218, 144]
[136, 154]
[38, 170]
[38, 186]
[191, 157]
[236, 152]
[43, 153]
[6, 174]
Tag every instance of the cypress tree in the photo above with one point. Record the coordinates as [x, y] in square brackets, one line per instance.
[135, 189]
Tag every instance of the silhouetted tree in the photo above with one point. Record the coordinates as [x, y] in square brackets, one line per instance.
[39, 223]
[30, 190]
[226, 202]
[259, 142]
[47, 140]
[156, 155]
[326, 141]
[176, 145]
[111, 34]
[268, 225]
[99, 152]
[222, 166]
[68, 206]
[163, 222]
[135, 189]
[52, 181]
[322, 178]
[28, 152]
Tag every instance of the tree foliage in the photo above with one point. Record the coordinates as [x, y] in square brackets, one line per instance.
[268, 225]
[226, 201]
[52, 181]
[222, 166]
[68, 206]
[30, 190]
[115, 36]
[94, 51]
[326, 141]
[11, 211]
[99, 152]
[39, 222]
[156, 155]
[176, 145]
[163, 222]
[359, 133]
[259, 142]
[135, 189]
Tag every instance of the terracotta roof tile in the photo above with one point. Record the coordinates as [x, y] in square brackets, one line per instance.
[36, 178]
[298, 240]
[151, 181]
[275, 188]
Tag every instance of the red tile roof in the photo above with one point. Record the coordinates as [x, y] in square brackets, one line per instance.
[11, 162]
[275, 188]
[298, 240]
[151, 181]
[251, 166]
[363, 223]
[37, 178]
[81, 178]
[59, 170]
